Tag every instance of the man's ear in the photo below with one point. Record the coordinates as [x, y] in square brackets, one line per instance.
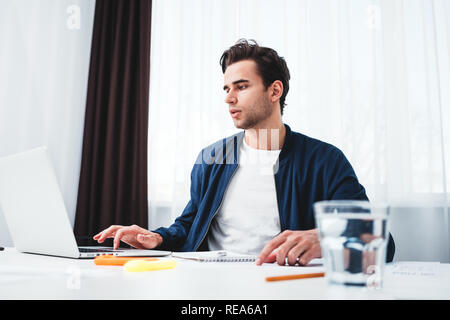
[276, 90]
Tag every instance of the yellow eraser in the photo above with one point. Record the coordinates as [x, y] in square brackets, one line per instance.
[143, 265]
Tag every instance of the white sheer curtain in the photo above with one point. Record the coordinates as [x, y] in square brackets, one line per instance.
[369, 76]
[44, 63]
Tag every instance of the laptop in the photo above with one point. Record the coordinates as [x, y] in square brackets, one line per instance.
[35, 213]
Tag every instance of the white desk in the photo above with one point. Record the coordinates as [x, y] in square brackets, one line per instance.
[27, 276]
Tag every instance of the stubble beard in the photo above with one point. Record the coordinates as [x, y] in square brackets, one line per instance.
[257, 113]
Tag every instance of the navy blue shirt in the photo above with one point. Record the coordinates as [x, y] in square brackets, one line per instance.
[308, 170]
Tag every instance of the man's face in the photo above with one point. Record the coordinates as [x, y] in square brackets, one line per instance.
[246, 97]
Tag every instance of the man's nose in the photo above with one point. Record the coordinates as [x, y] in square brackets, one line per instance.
[230, 98]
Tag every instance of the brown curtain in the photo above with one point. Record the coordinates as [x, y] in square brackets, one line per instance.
[113, 178]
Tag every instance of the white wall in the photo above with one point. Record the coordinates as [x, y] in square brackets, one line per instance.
[44, 63]
[420, 233]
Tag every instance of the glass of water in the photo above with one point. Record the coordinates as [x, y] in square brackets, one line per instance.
[353, 236]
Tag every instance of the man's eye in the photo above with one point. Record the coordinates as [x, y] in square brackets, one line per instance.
[242, 87]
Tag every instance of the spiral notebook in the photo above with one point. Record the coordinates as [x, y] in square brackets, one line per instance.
[214, 256]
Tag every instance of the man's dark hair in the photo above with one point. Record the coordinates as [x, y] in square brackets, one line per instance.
[270, 65]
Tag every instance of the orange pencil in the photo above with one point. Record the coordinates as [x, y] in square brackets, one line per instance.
[296, 276]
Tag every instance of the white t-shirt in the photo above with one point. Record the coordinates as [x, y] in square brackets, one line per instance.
[248, 217]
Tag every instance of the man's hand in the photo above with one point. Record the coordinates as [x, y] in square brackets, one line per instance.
[134, 235]
[296, 246]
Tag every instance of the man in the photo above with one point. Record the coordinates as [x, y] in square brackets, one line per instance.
[254, 192]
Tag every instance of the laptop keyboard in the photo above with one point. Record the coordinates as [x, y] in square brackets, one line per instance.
[96, 250]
